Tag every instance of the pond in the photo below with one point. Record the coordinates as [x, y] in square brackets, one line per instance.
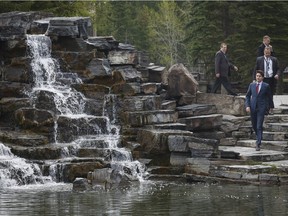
[146, 198]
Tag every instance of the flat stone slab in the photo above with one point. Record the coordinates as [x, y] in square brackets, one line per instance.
[28, 139]
[275, 136]
[196, 109]
[203, 122]
[282, 126]
[170, 126]
[276, 118]
[142, 118]
[268, 145]
[278, 164]
[247, 153]
[155, 141]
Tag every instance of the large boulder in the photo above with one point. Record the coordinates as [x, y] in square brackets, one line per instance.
[180, 82]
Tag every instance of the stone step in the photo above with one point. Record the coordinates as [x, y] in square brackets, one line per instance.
[155, 141]
[275, 136]
[225, 104]
[281, 110]
[269, 145]
[141, 118]
[267, 135]
[169, 104]
[276, 118]
[168, 177]
[119, 154]
[141, 103]
[37, 153]
[260, 173]
[22, 138]
[149, 88]
[277, 127]
[170, 126]
[196, 110]
[248, 153]
[282, 164]
[96, 143]
[212, 134]
[70, 168]
[59, 151]
[165, 170]
[203, 122]
[195, 146]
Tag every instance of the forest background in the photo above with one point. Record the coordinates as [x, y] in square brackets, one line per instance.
[188, 32]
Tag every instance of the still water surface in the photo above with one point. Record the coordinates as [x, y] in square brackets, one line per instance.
[148, 198]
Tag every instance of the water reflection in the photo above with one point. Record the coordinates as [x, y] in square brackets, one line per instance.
[148, 198]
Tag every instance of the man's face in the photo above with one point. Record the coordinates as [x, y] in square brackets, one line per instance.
[259, 77]
[224, 48]
[267, 52]
[266, 41]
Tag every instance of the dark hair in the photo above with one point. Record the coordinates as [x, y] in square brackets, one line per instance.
[260, 72]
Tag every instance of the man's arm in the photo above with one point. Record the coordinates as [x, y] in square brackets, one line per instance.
[217, 62]
[248, 99]
[276, 71]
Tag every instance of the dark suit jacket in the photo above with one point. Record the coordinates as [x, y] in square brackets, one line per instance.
[263, 101]
[260, 50]
[222, 64]
[260, 66]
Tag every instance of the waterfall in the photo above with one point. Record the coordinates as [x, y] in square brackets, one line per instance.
[15, 171]
[67, 103]
[45, 71]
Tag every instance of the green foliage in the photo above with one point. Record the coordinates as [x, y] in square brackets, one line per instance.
[166, 33]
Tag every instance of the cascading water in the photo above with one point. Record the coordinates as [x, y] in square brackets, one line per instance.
[16, 171]
[70, 103]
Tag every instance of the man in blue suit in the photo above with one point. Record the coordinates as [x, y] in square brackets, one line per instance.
[258, 103]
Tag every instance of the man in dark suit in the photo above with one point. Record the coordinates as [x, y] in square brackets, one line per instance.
[222, 70]
[268, 64]
[266, 43]
[258, 102]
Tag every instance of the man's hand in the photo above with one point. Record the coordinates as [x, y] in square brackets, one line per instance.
[276, 76]
[217, 75]
[248, 109]
[235, 68]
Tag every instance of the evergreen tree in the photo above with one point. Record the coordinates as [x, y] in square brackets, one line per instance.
[166, 33]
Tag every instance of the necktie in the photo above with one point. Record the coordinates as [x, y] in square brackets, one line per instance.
[267, 68]
[257, 88]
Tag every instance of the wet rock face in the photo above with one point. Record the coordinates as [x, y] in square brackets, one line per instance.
[68, 129]
[31, 118]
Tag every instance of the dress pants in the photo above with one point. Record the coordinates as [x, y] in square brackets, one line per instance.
[257, 119]
[271, 81]
[225, 82]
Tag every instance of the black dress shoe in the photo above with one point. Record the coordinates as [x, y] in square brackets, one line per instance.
[257, 148]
